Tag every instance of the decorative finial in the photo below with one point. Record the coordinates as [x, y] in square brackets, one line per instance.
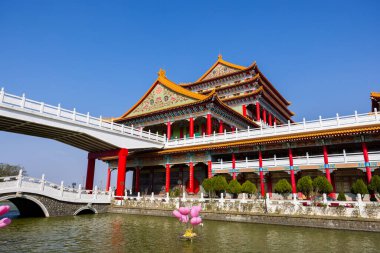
[219, 56]
[161, 73]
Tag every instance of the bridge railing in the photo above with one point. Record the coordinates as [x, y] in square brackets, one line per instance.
[43, 187]
[274, 161]
[265, 130]
[51, 111]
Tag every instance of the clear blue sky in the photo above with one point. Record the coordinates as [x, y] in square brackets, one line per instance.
[101, 56]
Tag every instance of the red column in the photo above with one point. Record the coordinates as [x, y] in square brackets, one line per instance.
[168, 130]
[221, 127]
[121, 170]
[191, 177]
[327, 170]
[244, 107]
[90, 173]
[257, 111]
[108, 179]
[262, 186]
[366, 161]
[167, 182]
[292, 178]
[137, 179]
[209, 169]
[209, 125]
[191, 127]
[270, 119]
[233, 167]
[264, 115]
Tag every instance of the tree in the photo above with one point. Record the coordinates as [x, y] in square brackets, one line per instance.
[208, 185]
[341, 196]
[359, 187]
[374, 186]
[283, 187]
[305, 185]
[248, 187]
[7, 170]
[322, 185]
[219, 183]
[234, 187]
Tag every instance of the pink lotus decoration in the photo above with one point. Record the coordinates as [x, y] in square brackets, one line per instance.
[5, 221]
[182, 214]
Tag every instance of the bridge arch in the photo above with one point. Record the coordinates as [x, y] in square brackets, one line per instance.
[28, 206]
[85, 210]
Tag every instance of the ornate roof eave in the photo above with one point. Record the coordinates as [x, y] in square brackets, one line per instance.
[375, 95]
[274, 139]
[170, 85]
[255, 78]
[220, 77]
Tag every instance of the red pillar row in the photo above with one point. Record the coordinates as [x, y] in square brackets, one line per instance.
[244, 108]
[233, 166]
[221, 127]
[137, 179]
[258, 111]
[209, 169]
[108, 184]
[292, 178]
[262, 186]
[209, 125]
[264, 115]
[121, 170]
[167, 182]
[270, 119]
[191, 177]
[191, 127]
[366, 160]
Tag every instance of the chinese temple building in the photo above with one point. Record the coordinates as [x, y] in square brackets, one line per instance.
[233, 121]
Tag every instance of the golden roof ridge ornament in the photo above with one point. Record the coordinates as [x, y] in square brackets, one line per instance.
[161, 73]
[220, 56]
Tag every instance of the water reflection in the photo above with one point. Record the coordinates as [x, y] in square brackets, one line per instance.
[131, 233]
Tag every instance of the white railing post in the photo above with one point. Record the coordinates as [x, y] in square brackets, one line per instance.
[288, 125]
[184, 196]
[376, 114]
[42, 107]
[88, 118]
[22, 103]
[167, 199]
[320, 120]
[96, 192]
[152, 197]
[42, 183]
[261, 128]
[221, 200]
[202, 198]
[324, 198]
[2, 95]
[100, 121]
[304, 123]
[61, 188]
[356, 116]
[110, 192]
[59, 110]
[138, 196]
[275, 159]
[225, 134]
[74, 114]
[344, 156]
[214, 136]
[337, 119]
[19, 179]
[307, 158]
[248, 131]
[246, 162]
[132, 131]
[122, 128]
[79, 196]
[275, 127]
[112, 124]
[149, 134]
[221, 163]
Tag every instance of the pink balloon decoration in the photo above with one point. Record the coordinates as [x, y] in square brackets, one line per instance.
[4, 209]
[4, 222]
[184, 219]
[177, 214]
[184, 210]
[196, 221]
[194, 211]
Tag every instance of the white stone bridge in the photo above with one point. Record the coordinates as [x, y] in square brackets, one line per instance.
[36, 197]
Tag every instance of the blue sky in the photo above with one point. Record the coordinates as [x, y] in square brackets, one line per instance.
[101, 56]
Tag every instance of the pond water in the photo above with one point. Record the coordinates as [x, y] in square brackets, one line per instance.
[132, 233]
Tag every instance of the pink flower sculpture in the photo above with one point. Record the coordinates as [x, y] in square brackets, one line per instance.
[5, 221]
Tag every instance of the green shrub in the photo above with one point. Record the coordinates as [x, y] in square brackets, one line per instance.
[341, 196]
[305, 185]
[175, 192]
[283, 187]
[359, 187]
[219, 183]
[234, 187]
[208, 186]
[374, 186]
[248, 187]
[322, 185]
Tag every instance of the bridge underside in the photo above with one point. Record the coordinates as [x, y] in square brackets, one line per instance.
[75, 139]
